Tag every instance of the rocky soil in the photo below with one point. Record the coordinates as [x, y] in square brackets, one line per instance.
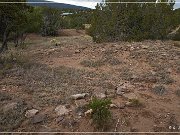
[50, 88]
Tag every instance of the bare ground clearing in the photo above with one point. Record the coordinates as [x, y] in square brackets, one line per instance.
[50, 74]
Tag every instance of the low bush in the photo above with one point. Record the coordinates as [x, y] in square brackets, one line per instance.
[101, 114]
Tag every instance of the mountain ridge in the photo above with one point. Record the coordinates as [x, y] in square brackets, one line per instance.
[52, 4]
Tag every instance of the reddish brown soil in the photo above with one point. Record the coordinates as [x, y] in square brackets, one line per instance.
[136, 63]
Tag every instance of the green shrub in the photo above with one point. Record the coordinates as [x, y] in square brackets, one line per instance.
[101, 114]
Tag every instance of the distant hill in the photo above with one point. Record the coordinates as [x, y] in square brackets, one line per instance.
[55, 5]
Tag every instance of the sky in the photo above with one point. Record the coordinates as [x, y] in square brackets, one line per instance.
[93, 3]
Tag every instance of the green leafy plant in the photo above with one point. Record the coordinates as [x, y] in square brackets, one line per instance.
[101, 114]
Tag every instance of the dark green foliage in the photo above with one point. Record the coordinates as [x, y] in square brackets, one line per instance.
[51, 21]
[101, 114]
[113, 22]
[12, 19]
[77, 19]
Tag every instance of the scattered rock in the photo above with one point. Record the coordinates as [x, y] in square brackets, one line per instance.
[113, 106]
[144, 47]
[79, 96]
[100, 95]
[38, 118]
[61, 110]
[31, 113]
[120, 91]
[88, 112]
[130, 96]
[132, 48]
[77, 51]
[115, 51]
[128, 104]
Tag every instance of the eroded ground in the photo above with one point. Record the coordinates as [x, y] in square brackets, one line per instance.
[49, 74]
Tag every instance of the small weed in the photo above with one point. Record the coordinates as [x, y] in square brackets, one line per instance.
[159, 90]
[101, 114]
[135, 103]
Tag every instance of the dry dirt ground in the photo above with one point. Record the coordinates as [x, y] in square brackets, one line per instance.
[45, 74]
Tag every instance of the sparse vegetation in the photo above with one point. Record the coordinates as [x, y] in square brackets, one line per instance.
[135, 103]
[101, 114]
[41, 76]
[159, 90]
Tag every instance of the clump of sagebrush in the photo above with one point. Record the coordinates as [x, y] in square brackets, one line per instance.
[101, 114]
[159, 90]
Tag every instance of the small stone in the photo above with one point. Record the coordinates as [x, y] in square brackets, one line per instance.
[100, 95]
[128, 104]
[115, 51]
[144, 47]
[113, 106]
[120, 91]
[38, 118]
[61, 110]
[88, 112]
[132, 48]
[77, 51]
[31, 113]
[79, 96]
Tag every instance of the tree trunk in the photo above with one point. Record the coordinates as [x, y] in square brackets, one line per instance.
[4, 43]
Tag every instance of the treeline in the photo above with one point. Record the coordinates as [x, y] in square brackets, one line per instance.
[17, 20]
[133, 21]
